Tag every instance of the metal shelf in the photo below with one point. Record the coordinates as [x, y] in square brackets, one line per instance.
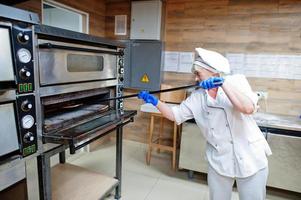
[70, 182]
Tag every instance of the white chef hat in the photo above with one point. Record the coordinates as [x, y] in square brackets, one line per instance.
[211, 61]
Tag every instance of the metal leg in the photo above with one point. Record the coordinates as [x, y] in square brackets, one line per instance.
[45, 171]
[32, 179]
[62, 157]
[190, 174]
[118, 161]
[44, 177]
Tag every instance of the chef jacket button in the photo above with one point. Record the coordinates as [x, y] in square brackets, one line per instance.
[208, 113]
[227, 125]
[231, 141]
[212, 129]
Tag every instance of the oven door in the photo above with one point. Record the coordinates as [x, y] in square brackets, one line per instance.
[8, 132]
[62, 63]
[6, 61]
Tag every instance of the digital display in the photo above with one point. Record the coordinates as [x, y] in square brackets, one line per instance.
[6, 63]
[29, 150]
[25, 87]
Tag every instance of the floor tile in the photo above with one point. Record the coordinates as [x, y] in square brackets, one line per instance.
[159, 165]
[177, 190]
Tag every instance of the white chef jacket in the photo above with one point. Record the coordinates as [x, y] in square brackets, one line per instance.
[235, 145]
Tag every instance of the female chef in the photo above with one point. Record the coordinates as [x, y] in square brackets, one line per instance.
[222, 108]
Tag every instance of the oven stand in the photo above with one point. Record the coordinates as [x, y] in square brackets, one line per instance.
[45, 168]
[119, 134]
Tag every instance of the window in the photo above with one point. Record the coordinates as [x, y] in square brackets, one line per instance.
[62, 16]
[84, 63]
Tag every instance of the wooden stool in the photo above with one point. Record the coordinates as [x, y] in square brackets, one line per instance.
[157, 143]
[173, 97]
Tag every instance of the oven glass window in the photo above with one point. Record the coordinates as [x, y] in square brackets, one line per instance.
[84, 63]
[6, 63]
[8, 132]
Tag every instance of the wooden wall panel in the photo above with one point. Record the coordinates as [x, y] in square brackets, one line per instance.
[95, 8]
[247, 24]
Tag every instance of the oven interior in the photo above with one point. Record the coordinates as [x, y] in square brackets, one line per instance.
[79, 118]
[65, 111]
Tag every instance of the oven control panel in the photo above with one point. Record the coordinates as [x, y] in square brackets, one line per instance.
[22, 38]
[27, 124]
[120, 86]
[22, 47]
[18, 96]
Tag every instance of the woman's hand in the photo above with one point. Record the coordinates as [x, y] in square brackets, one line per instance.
[162, 107]
[148, 98]
[212, 82]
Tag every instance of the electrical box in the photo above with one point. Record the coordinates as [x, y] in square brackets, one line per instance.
[143, 64]
[146, 20]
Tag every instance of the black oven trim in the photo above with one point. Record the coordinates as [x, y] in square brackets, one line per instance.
[18, 65]
[49, 45]
[72, 83]
[30, 147]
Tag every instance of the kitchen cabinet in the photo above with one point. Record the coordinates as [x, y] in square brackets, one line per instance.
[192, 150]
[284, 163]
[146, 20]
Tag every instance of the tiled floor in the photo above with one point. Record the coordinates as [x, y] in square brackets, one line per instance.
[154, 182]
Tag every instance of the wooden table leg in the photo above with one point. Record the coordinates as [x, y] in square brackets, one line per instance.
[161, 132]
[174, 147]
[151, 130]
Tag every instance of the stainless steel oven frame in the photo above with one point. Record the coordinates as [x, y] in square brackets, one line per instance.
[61, 42]
[17, 96]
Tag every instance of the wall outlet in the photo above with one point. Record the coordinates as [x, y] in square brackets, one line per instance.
[262, 95]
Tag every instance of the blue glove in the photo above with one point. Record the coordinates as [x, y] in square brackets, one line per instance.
[148, 98]
[212, 82]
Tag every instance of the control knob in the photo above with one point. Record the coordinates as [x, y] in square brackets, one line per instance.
[24, 73]
[23, 38]
[121, 70]
[120, 89]
[121, 52]
[120, 106]
[121, 79]
[28, 137]
[121, 63]
[26, 105]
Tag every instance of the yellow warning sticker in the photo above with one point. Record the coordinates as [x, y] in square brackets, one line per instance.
[145, 79]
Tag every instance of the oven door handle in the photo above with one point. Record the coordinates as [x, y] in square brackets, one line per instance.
[54, 46]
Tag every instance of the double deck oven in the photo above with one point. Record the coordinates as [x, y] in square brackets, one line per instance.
[77, 72]
[18, 130]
